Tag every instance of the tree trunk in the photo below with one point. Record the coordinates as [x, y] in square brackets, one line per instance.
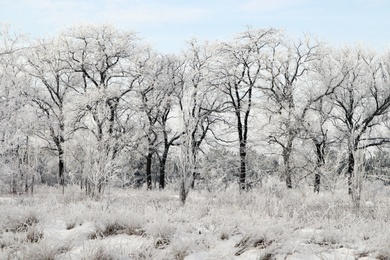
[320, 151]
[26, 183]
[100, 185]
[26, 161]
[59, 141]
[350, 168]
[161, 183]
[149, 158]
[87, 187]
[15, 175]
[317, 182]
[288, 176]
[112, 104]
[194, 173]
[13, 184]
[193, 180]
[183, 191]
[61, 169]
[32, 184]
[242, 178]
[287, 164]
[163, 161]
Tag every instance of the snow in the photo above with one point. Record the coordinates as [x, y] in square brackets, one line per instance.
[208, 226]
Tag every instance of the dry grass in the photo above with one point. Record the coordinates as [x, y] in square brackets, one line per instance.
[264, 223]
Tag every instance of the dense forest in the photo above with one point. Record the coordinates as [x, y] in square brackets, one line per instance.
[98, 107]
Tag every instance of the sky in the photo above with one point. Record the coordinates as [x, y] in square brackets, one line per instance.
[168, 24]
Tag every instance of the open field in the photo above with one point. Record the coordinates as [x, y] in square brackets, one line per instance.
[266, 223]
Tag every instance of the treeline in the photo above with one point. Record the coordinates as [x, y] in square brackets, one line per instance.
[97, 106]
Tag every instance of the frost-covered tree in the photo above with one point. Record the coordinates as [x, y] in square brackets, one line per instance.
[198, 100]
[328, 73]
[153, 92]
[151, 70]
[52, 80]
[107, 60]
[291, 89]
[361, 107]
[156, 90]
[169, 134]
[238, 75]
[15, 118]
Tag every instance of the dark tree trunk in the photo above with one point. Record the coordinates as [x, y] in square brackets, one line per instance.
[149, 158]
[161, 183]
[193, 179]
[59, 142]
[287, 164]
[317, 182]
[195, 148]
[26, 162]
[242, 130]
[100, 185]
[183, 191]
[163, 161]
[350, 168]
[320, 151]
[26, 183]
[14, 174]
[164, 157]
[61, 169]
[13, 184]
[112, 104]
[242, 178]
[32, 184]
[288, 179]
[87, 187]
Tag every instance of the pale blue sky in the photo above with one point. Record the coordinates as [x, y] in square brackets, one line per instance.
[166, 25]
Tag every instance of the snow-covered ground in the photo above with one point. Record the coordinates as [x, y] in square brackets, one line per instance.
[265, 223]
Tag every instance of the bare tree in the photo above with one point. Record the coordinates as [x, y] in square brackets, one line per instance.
[328, 74]
[237, 77]
[320, 141]
[291, 90]
[16, 118]
[107, 62]
[197, 98]
[151, 92]
[52, 81]
[361, 106]
[170, 136]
